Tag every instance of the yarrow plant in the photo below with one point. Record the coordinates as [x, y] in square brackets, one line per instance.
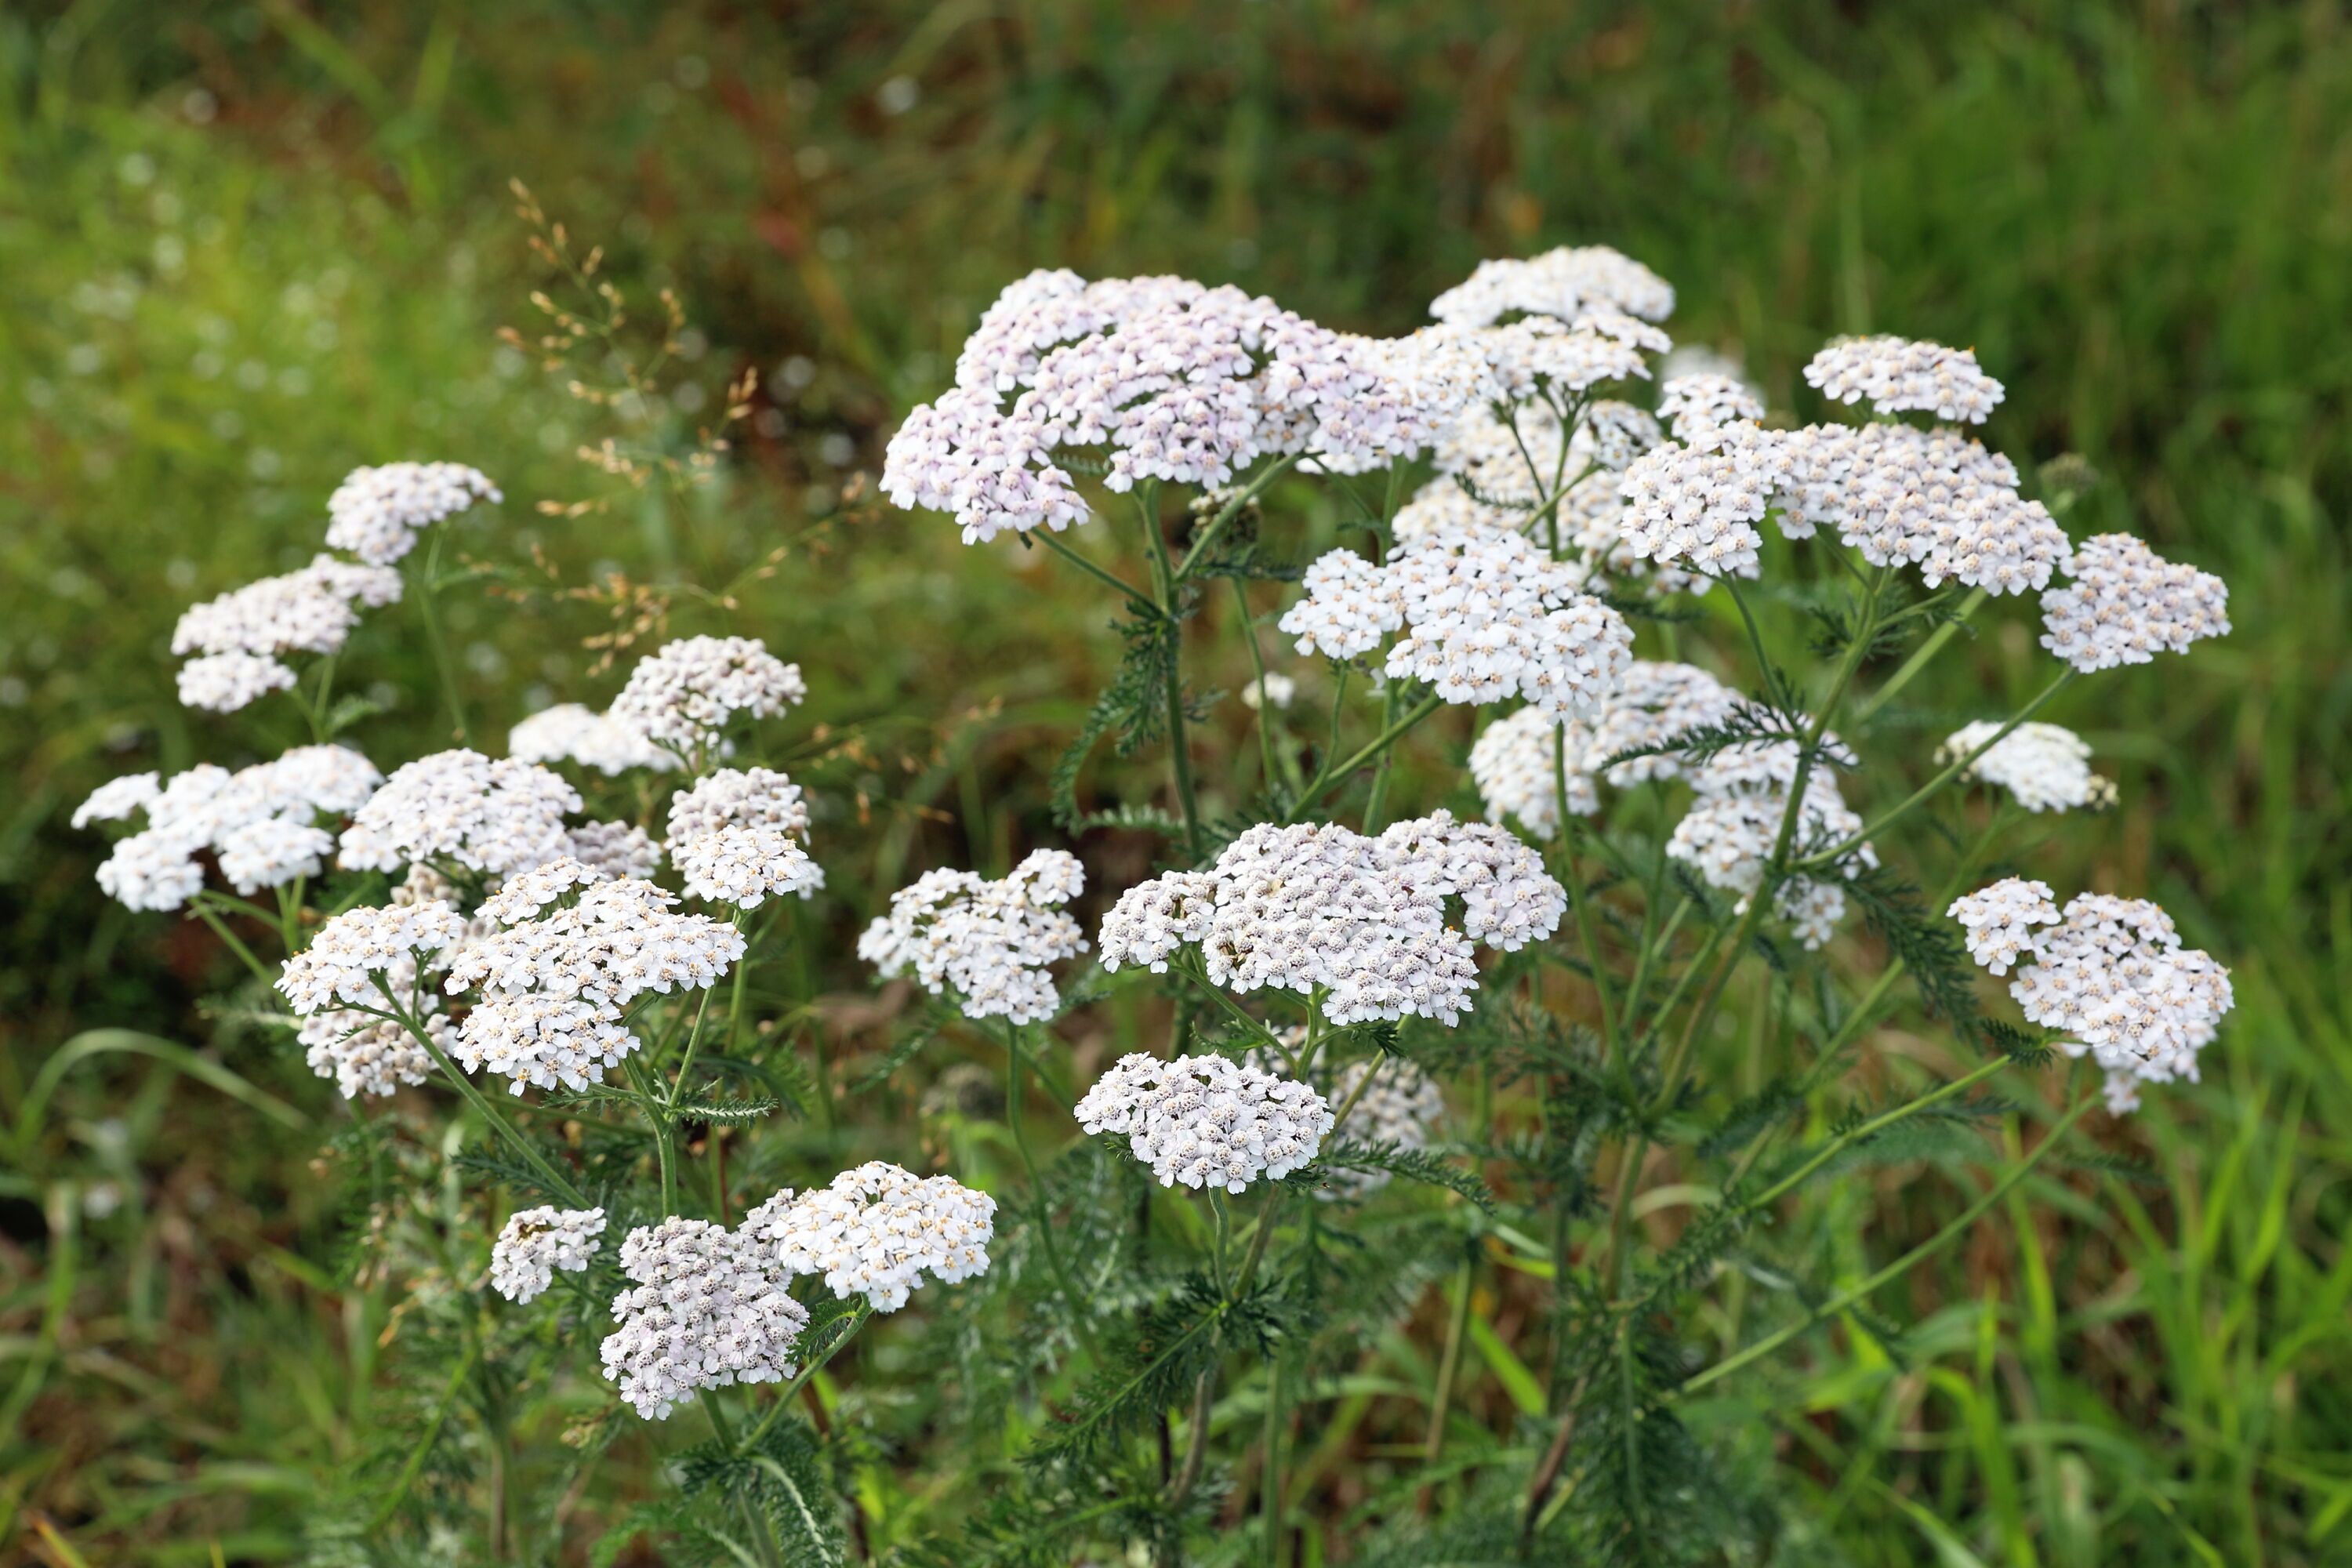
[1283, 1043]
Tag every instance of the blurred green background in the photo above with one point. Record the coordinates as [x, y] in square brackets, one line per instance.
[244, 248]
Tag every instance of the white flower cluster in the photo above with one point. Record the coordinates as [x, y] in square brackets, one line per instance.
[2111, 972]
[710, 1310]
[1743, 798]
[368, 1055]
[354, 956]
[1488, 616]
[2127, 602]
[493, 815]
[1695, 404]
[684, 694]
[616, 848]
[572, 732]
[1183, 383]
[1566, 282]
[1897, 374]
[1298, 908]
[261, 823]
[537, 1242]
[2000, 919]
[988, 942]
[1700, 502]
[1934, 499]
[875, 1230]
[376, 513]
[736, 836]
[556, 984]
[1207, 1122]
[1513, 762]
[2046, 766]
[241, 634]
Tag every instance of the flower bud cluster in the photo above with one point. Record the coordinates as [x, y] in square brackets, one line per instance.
[737, 835]
[260, 821]
[2109, 972]
[557, 982]
[2046, 766]
[876, 1230]
[1898, 376]
[1513, 762]
[710, 1310]
[572, 732]
[1486, 617]
[1206, 1122]
[376, 513]
[241, 634]
[2127, 603]
[493, 815]
[684, 694]
[987, 941]
[537, 1242]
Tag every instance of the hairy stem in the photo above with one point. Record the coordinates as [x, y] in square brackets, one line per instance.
[1265, 701]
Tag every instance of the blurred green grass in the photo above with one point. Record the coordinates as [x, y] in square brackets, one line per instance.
[246, 248]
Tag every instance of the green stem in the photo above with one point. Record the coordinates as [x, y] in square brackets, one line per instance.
[1958, 766]
[764, 1539]
[431, 1434]
[1449, 1363]
[1270, 1492]
[1920, 656]
[1179, 748]
[664, 1128]
[1048, 539]
[857, 1321]
[236, 945]
[428, 604]
[1328, 777]
[1265, 701]
[1070, 1297]
[1586, 930]
[556, 1181]
[1900, 1267]
[1386, 766]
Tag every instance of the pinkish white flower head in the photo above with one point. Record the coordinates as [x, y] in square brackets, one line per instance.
[1699, 503]
[740, 836]
[1898, 376]
[1486, 616]
[2127, 603]
[1181, 383]
[1276, 689]
[461, 808]
[615, 848]
[225, 682]
[354, 954]
[685, 695]
[2045, 766]
[537, 1242]
[988, 942]
[1934, 499]
[1443, 506]
[1206, 1122]
[710, 1310]
[1564, 283]
[376, 513]
[1513, 762]
[1999, 919]
[571, 733]
[1695, 404]
[577, 949]
[365, 1054]
[242, 635]
[1508, 899]
[262, 823]
[875, 1231]
[2112, 973]
[1730, 830]
[1302, 908]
